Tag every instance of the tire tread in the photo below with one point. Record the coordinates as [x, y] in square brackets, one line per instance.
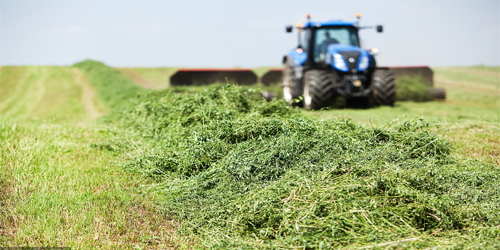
[384, 89]
[321, 88]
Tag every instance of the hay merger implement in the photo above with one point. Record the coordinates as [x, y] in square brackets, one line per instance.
[327, 63]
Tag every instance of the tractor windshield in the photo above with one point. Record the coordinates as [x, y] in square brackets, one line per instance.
[333, 35]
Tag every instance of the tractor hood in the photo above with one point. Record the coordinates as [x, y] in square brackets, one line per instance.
[347, 58]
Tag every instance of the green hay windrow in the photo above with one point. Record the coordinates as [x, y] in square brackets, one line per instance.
[411, 88]
[112, 86]
[243, 173]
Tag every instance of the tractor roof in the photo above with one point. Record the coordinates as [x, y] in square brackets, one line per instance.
[329, 23]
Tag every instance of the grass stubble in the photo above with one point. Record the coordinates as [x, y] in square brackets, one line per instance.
[237, 172]
[58, 189]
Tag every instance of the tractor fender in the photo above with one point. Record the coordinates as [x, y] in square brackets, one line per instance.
[373, 62]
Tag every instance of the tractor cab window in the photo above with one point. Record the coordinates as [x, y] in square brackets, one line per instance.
[333, 35]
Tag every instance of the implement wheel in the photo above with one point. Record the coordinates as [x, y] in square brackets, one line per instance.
[318, 89]
[384, 90]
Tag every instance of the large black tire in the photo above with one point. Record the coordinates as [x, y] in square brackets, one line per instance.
[292, 87]
[318, 89]
[384, 90]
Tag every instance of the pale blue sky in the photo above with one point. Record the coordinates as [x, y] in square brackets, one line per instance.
[239, 33]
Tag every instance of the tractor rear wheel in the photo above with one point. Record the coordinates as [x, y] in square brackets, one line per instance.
[318, 89]
[291, 84]
[384, 90]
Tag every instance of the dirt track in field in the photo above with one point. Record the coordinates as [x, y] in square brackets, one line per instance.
[88, 96]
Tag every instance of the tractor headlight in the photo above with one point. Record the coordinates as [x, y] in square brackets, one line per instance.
[363, 62]
[339, 62]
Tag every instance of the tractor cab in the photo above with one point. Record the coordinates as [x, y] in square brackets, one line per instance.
[315, 38]
[325, 36]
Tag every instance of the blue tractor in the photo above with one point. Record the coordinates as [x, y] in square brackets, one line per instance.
[329, 63]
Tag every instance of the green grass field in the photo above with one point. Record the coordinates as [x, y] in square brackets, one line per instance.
[84, 163]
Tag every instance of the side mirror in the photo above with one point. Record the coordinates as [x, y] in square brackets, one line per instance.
[288, 28]
[380, 28]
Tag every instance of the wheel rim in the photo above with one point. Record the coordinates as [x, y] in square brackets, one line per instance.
[287, 92]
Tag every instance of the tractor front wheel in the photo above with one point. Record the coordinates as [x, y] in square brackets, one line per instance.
[318, 89]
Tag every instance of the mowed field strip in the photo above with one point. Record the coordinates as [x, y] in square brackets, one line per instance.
[56, 187]
[46, 93]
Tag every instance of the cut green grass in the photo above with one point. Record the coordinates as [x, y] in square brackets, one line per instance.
[242, 173]
[295, 181]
